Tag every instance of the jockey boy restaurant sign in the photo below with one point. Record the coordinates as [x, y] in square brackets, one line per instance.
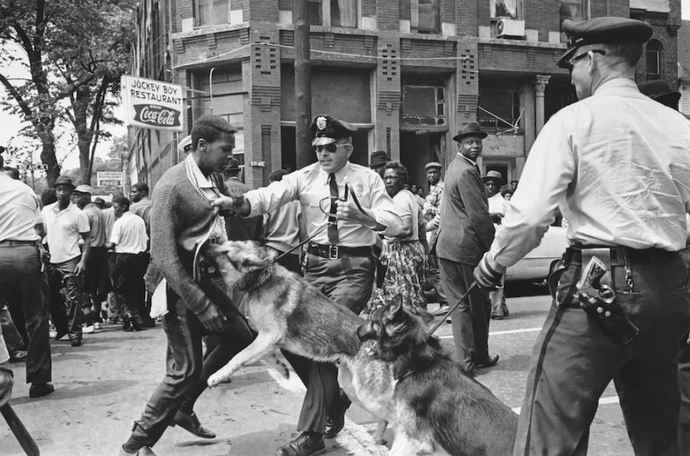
[152, 104]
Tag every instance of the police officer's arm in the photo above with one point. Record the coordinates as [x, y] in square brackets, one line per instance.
[381, 216]
[549, 170]
[262, 200]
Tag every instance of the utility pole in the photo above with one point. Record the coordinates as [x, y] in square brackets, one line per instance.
[300, 14]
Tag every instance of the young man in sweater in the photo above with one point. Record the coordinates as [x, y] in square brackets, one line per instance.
[182, 219]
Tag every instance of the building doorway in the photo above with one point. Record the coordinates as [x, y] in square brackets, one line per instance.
[417, 148]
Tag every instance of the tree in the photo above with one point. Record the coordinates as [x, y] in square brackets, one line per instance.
[75, 51]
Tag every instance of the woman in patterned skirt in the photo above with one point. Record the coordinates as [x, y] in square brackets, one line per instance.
[404, 254]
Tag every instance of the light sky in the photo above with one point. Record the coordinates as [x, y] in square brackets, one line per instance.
[10, 124]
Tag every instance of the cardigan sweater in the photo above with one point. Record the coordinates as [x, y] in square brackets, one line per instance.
[180, 217]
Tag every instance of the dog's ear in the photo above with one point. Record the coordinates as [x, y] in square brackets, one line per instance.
[394, 307]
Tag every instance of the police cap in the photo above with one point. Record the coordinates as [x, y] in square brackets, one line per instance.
[327, 130]
[602, 30]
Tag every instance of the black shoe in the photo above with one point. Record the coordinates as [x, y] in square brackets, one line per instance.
[189, 422]
[40, 390]
[60, 333]
[335, 421]
[304, 445]
[489, 362]
[75, 341]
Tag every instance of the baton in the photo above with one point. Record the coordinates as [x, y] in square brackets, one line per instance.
[23, 437]
[455, 306]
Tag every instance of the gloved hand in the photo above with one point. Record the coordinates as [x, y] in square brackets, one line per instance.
[488, 275]
[6, 383]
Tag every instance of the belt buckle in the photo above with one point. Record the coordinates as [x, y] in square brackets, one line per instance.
[332, 252]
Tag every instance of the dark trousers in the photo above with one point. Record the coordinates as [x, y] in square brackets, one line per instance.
[95, 279]
[574, 360]
[684, 381]
[23, 284]
[471, 319]
[348, 281]
[66, 298]
[128, 283]
[186, 375]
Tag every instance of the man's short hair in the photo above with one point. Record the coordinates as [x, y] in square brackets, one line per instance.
[399, 167]
[141, 187]
[277, 175]
[122, 201]
[210, 128]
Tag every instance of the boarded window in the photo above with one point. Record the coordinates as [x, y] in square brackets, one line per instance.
[423, 105]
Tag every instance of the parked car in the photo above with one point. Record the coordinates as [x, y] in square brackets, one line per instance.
[535, 265]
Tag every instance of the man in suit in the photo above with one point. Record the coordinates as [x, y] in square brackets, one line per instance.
[465, 233]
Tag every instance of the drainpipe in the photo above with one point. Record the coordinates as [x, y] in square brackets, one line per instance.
[210, 86]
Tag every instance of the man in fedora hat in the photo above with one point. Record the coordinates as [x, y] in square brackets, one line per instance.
[378, 161]
[616, 163]
[65, 224]
[465, 233]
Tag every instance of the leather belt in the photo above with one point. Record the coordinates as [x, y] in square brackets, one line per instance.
[620, 255]
[11, 243]
[333, 252]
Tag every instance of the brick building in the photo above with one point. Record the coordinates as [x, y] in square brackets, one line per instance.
[408, 73]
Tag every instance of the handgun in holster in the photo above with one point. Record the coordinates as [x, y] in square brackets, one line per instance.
[599, 301]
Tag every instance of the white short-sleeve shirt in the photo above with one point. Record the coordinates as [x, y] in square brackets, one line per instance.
[63, 231]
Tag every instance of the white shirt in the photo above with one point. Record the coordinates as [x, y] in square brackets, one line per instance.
[63, 231]
[310, 186]
[20, 210]
[283, 226]
[406, 206]
[129, 234]
[616, 163]
[497, 204]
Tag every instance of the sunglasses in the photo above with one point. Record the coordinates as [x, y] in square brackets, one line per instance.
[328, 147]
[572, 60]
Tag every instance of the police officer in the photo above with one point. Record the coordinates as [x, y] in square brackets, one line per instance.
[617, 165]
[339, 259]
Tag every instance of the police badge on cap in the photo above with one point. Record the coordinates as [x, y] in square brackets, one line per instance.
[327, 130]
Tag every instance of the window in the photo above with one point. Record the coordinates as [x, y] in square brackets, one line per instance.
[499, 105]
[574, 10]
[425, 16]
[654, 57]
[504, 8]
[334, 13]
[424, 105]
[211, 12]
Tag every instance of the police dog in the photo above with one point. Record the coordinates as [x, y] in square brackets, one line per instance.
[284, 309]
[436, 408]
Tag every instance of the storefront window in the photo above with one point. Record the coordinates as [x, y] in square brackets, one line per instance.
[423, 105]
[653, 59]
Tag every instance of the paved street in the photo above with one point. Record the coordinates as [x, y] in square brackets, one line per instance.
[102, 387]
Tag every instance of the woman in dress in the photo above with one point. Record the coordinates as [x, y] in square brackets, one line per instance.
[404, 253]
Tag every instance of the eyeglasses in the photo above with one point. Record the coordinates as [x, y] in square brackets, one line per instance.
[572, 60]
[328, 147]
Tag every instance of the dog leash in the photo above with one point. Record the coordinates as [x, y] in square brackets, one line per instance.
[452, 309]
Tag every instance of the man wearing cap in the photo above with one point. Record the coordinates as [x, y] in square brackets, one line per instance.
[182, 221]
[617, 165]
[65, 224]
[22, 282]
[493, 180]
[93, 281]
[465, 233]
[431, 212]
[378, 161]
[343, 204]
[185, 145]
[664, 93]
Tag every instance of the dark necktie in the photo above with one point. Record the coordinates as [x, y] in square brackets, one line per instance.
[332, 220]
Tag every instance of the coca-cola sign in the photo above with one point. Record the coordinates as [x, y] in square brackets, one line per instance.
[149, 103]
[156, 116]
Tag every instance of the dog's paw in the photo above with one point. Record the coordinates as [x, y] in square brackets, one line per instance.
[218, 378]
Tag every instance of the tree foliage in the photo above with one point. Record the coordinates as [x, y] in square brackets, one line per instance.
[75, 52]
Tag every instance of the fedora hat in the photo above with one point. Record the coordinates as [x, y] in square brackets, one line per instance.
[378, 158]
[64, 180]
[661, 91]
[470, 129]
[493, 175]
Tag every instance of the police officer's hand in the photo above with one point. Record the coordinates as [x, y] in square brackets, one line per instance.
[212, 318]
[488, 274]
[6, 383]
[237, 204]
[348, 210]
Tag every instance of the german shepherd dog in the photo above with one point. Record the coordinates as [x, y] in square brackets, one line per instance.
[436, 408]
[387, 364]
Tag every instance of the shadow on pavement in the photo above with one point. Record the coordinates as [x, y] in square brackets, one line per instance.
[78, 389]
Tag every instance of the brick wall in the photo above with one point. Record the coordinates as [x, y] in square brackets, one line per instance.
[466, 18]
[260, 10]
[388, 15]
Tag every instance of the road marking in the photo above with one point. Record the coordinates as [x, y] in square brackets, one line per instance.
[501, 333]
[354, 438]
[602, 401]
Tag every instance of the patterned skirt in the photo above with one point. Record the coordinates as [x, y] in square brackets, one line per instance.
[407, 265]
